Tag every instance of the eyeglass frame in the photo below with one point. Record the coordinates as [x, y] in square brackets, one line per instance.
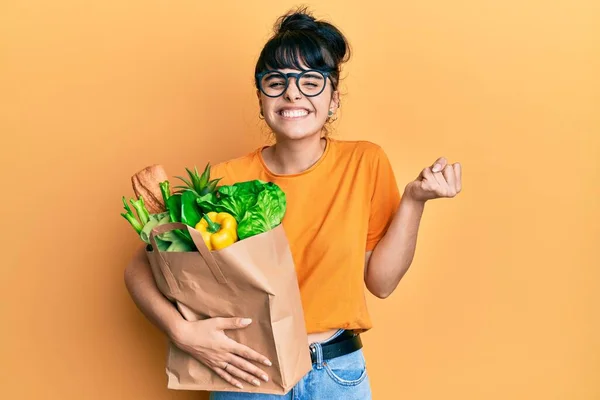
[259, 76]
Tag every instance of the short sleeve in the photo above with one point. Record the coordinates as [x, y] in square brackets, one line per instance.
[385, 199]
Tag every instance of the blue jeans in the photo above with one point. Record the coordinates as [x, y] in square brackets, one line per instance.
[343, 377]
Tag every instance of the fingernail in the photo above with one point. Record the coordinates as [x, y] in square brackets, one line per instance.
[436, 167]
[265, 378]
[239, 385]
[267, 362]
[246, 321]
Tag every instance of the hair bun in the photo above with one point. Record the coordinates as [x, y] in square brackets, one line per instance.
[298, 21]
[300, 41]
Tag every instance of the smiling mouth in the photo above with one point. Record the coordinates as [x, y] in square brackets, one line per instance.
[293, 114]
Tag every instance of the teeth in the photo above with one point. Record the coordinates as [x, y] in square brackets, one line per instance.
[294, 114]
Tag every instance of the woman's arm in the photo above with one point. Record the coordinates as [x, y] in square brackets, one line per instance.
[146, 296]
[392, 256]
[204, 340]
[394, 253]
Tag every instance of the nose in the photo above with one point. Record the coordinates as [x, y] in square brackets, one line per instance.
[292, 92]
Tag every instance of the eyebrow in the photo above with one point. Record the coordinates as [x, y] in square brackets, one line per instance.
[313, 75]
[271, 76]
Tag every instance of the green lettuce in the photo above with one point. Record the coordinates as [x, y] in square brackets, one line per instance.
[257, 206]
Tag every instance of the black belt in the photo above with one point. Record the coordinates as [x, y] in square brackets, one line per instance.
[346, 343]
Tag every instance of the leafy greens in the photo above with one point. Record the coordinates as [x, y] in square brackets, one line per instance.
[257, 206]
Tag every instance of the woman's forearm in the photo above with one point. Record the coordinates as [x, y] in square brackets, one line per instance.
[145, 294]
[394, 253]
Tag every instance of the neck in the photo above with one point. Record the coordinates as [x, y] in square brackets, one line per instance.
[294, 156]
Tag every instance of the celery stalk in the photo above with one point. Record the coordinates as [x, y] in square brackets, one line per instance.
[140, 208]
[165, 190]
[129, 216]
[133, 221]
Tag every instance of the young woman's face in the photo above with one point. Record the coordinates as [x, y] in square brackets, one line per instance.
[294, 115]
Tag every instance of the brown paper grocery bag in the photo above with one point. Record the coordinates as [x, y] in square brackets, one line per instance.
[253, 278]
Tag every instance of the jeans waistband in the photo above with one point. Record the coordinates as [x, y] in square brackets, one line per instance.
[317, 348]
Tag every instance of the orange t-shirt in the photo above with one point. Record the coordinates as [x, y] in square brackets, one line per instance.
[336, 211]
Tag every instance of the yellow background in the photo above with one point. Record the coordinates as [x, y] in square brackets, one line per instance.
[502, 299]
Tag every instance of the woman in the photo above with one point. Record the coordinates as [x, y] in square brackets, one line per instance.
[345, 221]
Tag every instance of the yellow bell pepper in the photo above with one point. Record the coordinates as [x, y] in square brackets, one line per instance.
[218, 230]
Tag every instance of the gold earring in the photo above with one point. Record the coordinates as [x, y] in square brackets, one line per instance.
[329, 115]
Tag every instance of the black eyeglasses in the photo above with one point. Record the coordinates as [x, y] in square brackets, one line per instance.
[310, 83]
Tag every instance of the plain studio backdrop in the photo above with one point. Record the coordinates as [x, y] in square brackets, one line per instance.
[502, 300]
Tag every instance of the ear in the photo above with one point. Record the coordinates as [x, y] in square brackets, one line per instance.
[259, 99]
[334, 104]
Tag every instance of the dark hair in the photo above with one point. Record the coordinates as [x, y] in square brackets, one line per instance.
[301, 39]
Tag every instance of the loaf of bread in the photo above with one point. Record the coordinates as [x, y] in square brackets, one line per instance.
[146, 184]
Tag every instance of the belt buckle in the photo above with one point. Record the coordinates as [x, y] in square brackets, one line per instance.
[313, 353]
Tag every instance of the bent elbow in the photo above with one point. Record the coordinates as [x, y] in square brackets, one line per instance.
[132, 270]
[128, 275]
[380, 292]
[127, 272]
